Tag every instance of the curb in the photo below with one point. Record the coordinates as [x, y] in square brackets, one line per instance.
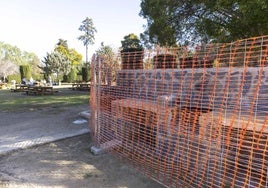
[39, 141]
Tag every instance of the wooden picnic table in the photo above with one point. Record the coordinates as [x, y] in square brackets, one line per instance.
[20, 87]
[81, 86]
[39, 90]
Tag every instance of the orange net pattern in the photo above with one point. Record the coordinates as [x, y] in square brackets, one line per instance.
[187, 117]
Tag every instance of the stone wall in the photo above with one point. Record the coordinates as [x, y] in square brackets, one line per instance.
[242, 88]
[223, 148]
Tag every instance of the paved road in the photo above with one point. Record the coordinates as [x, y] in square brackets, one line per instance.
[21, 130]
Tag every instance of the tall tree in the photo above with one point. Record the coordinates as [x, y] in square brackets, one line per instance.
[71, 54]
[205, 21]
[73, 57]
[88, 36]
[34, 62]
[55, 62]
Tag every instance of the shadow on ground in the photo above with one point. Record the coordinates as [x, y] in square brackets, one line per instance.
[68, 163]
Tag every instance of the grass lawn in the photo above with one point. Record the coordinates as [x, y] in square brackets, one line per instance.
[19, 101]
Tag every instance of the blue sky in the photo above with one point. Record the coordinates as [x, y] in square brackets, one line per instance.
[36, 25]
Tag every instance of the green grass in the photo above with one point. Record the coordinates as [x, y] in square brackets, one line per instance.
[19, 101]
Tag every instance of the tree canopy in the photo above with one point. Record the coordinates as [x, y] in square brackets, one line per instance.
[61, 60]
[108, 54]
[131, 42]
[70, 54]
[109, 64]
[11, 57]
[8, 68]
[171, 22]
[88, 36]
[55, 62]
[16, 55]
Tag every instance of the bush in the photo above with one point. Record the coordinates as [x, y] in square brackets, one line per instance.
[85, 74]
[38, 76]
[25, 72]
[71, 77]
[79, 78]
[15, 77]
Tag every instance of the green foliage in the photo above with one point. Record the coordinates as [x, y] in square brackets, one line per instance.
[38, 76]
[15, 77]
[65, 78]
[169, 22]
[71, 55]
[75, 57]
[25, 72]
[71, 77]
[89, 30]
[159, 29]
[56, 63]
[131, 43]
[33, 61]
[63, 43]
[85, 74]
[79, 78]
[61, 61]
[88, 36]
[11, 53]
[11, 57]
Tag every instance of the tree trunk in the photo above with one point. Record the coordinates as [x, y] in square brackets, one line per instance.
[86, 54]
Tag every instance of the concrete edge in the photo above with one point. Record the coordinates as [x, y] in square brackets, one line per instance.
[40, 141]
[85, 114]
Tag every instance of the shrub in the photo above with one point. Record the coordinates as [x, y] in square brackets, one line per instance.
[85, 74]
[15, 77]
[71, 77]
[25, 72]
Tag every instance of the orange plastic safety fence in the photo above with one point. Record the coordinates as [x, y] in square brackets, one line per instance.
[186, 117]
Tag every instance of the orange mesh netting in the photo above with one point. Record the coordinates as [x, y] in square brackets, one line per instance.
[186, 117]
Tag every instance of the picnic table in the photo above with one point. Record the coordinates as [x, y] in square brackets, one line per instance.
[20, 87]
[81, 86]
[40, 90]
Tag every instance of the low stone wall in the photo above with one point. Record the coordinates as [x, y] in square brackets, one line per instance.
[227, 88]
[220, 123]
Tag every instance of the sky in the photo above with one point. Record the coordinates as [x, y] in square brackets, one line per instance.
[37, 25]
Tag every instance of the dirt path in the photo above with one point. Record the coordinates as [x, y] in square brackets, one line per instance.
[68, 163]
